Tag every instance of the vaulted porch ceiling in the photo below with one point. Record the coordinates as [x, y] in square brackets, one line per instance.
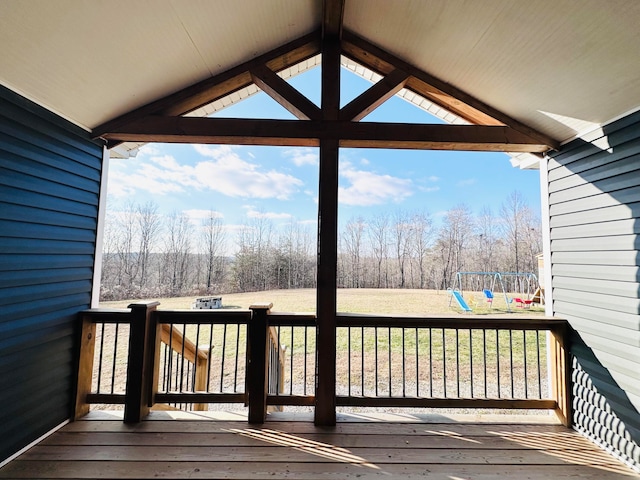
[163, 121]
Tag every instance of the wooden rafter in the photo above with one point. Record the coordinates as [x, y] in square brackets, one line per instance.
[283, 93]
[332, 14]
[137, 125]
[310, 133]
[375, 96]
[218, 86]
[435, 90]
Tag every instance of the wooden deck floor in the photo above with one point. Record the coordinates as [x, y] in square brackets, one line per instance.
[179, 445]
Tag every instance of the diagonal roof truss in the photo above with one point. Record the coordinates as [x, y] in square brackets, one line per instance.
[163, 120]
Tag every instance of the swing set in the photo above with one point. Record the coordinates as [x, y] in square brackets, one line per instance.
[487, 282]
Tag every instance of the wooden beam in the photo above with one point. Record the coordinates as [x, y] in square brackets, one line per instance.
[283, 93]
[326, 298]
[435, 90]
[218, 86]
[375, 96]
[311, 133]
[332, 15]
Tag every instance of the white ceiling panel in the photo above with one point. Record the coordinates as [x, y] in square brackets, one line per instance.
[560, 66]
[91, 61]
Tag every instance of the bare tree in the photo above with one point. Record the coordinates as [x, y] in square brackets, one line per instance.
[295, 268]
[149, 225]
[522, 233]
[251, 271]
[179, 231]
[109, 255]
[213, 237]
[512, 210]
[402, 237]
[487, 234]
[379, 240]
[353, 239]
[127, 227]
[421, 239]
[452, 242]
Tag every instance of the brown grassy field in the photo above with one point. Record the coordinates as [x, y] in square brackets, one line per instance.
[357, 300]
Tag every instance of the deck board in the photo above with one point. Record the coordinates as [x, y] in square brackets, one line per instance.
[173, 446]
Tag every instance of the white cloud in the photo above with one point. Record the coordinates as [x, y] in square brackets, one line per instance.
[235, 177]
[433, 178]
[466, 182]
[222, 171]
[429, 189]
[369, 188]
[251, 213]
[364, 161]
[308, 222]
[147, 178]
[216, 151]
[148, 149]
[302, 156]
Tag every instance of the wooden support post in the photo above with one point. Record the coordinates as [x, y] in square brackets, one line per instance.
[85, 365]
[325, 411]
[258, 362]
[140, 366]
[560, 376]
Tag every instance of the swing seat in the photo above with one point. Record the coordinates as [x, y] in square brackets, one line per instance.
[489, 296]
[520, 303]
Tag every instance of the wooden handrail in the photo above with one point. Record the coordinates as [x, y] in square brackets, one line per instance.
[480, 322]
[198, 356]
[273, 340]
[171, 336]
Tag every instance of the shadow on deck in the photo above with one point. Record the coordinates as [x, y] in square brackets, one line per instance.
[209, 445]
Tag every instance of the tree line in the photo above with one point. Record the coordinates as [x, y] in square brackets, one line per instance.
[147, 255]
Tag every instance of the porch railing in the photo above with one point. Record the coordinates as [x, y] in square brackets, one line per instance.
[268, 360]
[484, 362]
[216, 378]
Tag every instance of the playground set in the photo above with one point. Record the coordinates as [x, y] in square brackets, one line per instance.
[486, 283]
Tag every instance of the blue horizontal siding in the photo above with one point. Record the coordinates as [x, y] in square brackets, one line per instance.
[40, 246]
[594, 185]
[49, 172]
[19, 213]
[29, 182]
[50, 175]
[34, 293]
[19, 148]
[29, 261]
[47, 306]
[32, 230]
[45, 276]
[29, 198]
[65, 139]
[21, 326]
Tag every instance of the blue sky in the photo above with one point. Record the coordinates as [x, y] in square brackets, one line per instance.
[242, 183]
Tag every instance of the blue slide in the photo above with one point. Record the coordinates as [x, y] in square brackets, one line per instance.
[463, 305]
